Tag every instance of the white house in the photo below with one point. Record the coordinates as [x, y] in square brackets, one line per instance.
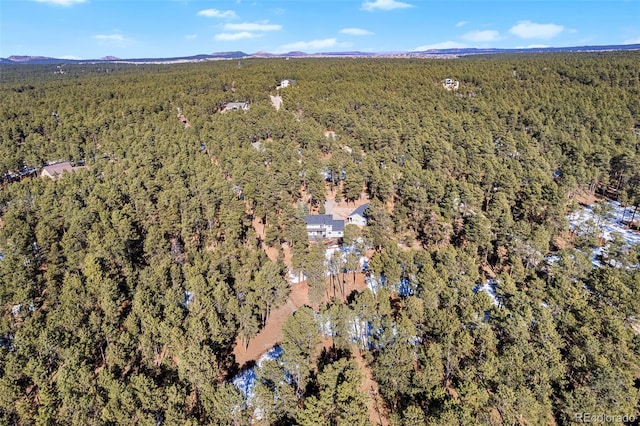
[359, 216]
[237, 105]
[450, 84]
[283, 84]
[324, 226]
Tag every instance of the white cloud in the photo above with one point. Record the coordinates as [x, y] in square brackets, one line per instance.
[442, 45]
[249, 26]
[117, 40]
[246, 30]
[71, 57]
[215, 13]
[355, 31]
[109, 37]
[632, 41]
[191, 36]
[309, 45]
[482, 36]
[528, 29]
[461, 24]
[61, 2]
[236, 36]
[384, 5]
[533, 46]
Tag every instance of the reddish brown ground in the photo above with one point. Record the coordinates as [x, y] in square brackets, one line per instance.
[489, 271]
[377, 412]
[271, 335]
[341, 209]
[562, 241]
[272, 252]
[585, 197]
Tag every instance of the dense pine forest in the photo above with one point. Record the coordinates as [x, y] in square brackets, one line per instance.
[129, 284]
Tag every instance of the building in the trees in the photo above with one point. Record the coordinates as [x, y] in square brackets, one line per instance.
[237, 105]
[257, 145]
[450, 84]
[284, 83]
[359, 215]
[54, 171]
[324, 226]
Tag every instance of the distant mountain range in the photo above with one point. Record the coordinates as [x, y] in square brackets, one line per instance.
[432, 53]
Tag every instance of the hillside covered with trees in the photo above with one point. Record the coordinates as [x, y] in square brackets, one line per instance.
[126, 285]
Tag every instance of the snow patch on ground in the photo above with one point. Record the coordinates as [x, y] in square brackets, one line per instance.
[374, 283]
[245, 381]
[324, 322]
[609, 224]
[357, 329]
[328, 258]
[188, 298]
[489, 287]
[296, 278]
[585, 221]
[553, 259]
[405, 287]
[363, 263]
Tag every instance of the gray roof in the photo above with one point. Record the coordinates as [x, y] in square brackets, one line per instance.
[257, 146]
[360, 210]
[325, 219]
[318, 219]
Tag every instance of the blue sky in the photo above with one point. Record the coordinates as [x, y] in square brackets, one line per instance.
[88, 29]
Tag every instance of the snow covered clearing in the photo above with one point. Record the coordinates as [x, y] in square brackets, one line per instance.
[605, 223]
[245, 381]
[405, 287]
[489, 287]
[608, 223]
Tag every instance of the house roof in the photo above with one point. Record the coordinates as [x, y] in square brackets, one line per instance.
[325, 219]
[319, 219]
[57, 169]
[360, 210]
[236, 105]
[257, 146]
